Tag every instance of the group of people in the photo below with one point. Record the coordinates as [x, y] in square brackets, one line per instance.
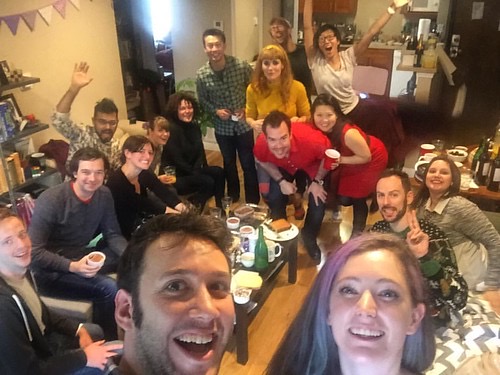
[374, 302]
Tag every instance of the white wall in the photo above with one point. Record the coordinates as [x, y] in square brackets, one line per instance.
[49, 52]
[247, 24]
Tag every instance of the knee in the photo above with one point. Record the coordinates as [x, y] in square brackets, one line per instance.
[107, 287]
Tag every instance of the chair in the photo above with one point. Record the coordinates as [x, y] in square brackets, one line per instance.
[370, 79]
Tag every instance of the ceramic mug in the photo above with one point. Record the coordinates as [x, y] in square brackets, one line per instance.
[274, 250]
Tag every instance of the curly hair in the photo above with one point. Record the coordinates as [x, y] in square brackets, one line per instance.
[259, 81]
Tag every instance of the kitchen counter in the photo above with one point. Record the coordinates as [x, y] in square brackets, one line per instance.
[378, 45]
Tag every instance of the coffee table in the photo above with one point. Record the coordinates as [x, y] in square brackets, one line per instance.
[245, 313]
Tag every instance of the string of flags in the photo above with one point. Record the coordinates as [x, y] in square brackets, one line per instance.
[45, 12]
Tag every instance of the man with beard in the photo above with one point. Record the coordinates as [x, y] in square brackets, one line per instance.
[174, 302]
[66, 219]
[427, 242]
[105, 121]
[281, 33]
[221, 85]
[292, 155]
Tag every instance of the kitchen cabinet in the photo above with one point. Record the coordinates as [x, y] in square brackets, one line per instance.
[50, 176]
[332, 6]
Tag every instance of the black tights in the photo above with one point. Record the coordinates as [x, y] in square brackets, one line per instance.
[359, 214]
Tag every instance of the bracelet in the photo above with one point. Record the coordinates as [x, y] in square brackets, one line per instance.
[391, 10]
[278, 181]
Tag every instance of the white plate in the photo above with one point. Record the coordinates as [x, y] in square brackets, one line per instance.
[282, 236]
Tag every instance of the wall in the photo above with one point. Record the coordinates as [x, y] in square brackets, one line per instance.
[49, 52]
[247, 24]
[370, 10]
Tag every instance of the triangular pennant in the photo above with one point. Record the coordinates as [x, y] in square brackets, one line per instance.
[30, 18]
[76, 3]
[46, 14]
[12, 22]
[60, 6]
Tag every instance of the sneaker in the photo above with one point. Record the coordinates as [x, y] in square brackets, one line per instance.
[321, 262]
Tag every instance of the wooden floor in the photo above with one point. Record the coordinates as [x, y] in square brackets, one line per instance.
[272, 321]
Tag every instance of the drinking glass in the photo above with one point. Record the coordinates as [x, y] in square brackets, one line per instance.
[215, 212]
[226, 204]
[169, 170]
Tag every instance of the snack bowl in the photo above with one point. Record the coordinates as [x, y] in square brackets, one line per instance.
[242, 295]
[233, 222]
[457, 154]
[247, 259]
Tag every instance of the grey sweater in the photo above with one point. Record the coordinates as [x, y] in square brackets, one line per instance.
[463, 221]
[62, 226]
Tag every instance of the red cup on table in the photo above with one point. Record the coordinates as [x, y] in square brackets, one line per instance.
[426, 148]
[332, 157]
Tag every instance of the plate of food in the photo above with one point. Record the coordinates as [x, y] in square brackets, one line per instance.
[251, 214]
[280, 230]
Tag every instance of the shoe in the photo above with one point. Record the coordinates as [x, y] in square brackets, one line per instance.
[312, 249]
[321, 262]
[299, 213]
[337, 215]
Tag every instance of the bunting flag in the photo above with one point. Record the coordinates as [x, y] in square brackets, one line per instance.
[29, 17]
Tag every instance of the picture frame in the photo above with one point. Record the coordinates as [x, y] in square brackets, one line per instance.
[4, 72]
[15, 110]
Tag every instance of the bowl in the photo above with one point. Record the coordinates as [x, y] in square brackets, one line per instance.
[247, 259]
[233, 222]
[457, 155]
[242, 295]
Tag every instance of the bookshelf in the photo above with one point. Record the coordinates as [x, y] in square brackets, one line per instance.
[11, 173]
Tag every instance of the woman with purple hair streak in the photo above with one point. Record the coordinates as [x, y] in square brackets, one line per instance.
[365, 314]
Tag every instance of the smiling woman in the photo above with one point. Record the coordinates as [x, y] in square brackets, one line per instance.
[365, 313]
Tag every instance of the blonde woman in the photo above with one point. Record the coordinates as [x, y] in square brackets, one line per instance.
[273, 88]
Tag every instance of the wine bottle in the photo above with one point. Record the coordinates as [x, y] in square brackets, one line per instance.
[261, 254]
[483, 168]
[496, 141]
[494, 176]
[419, 51]
[478, 153]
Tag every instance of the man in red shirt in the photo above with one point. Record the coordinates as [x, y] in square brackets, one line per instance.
[290, 154]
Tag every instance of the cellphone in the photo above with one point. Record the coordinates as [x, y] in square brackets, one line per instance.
[235, 118]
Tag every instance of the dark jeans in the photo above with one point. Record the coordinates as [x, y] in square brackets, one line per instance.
[359, 212]
[278, 201]
[100, 289]
[243, 144]
[203, 184]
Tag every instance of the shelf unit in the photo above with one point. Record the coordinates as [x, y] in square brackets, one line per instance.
[19, 135]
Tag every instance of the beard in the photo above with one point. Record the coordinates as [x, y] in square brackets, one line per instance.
[152, 356]
[398, 216]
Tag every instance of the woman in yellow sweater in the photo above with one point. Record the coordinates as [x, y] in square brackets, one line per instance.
[273, 88]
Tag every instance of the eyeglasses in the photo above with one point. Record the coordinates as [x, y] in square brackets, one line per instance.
[326, 38]
[104, 122]
[269, 62]
[278, 27]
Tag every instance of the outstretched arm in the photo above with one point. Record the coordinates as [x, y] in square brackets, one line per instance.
[79, 79]
[308, 30]
[363, 44]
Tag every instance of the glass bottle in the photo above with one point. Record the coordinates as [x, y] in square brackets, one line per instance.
[496, 141]
[494, 176]
[261, 254]
[478, 153]
[483, 167]
[419, 51]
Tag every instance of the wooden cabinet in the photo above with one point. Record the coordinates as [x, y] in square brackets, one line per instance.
[332, 6]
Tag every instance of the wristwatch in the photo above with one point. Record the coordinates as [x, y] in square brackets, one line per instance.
[319, 182]
[391, 10]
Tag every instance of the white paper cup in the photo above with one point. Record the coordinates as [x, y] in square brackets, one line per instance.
[247, 259]
[400, 3]
[96, 259]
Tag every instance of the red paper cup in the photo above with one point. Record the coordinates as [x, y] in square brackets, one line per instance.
[426, 148]
[332, 157]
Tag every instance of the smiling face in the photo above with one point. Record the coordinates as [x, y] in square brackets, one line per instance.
[324, 118]
[140, 159]
[392, 199]
[371, 311]
[438, 178]
[187, 308]
[272, 69]
[328, 43]
[279, 33]
[159, 136]
[89, 177]
[214, 48]
[105, 125]
[15, 248]
[279, 140]
[185, 111]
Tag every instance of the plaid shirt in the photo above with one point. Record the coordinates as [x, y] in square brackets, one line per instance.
[80, 136]
[224, 89]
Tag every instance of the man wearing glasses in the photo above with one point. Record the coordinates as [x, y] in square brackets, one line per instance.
[105, 121]
[281, 33]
